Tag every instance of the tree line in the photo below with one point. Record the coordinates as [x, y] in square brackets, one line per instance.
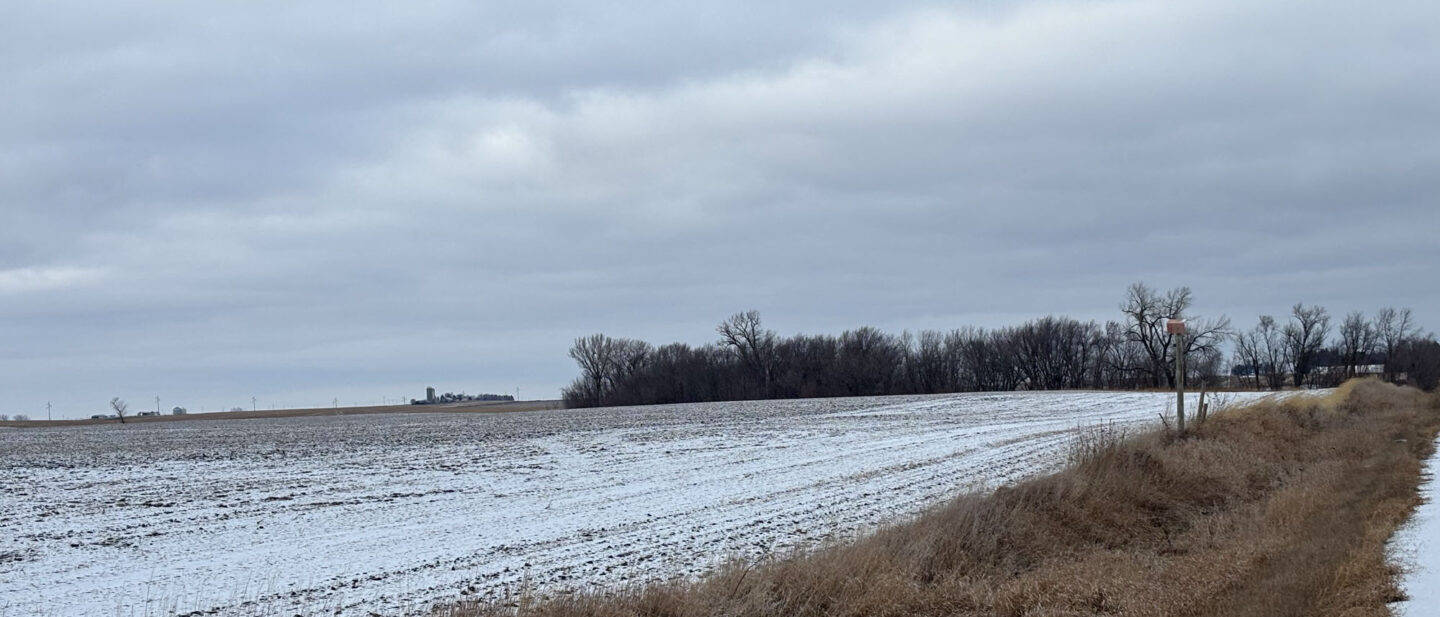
[748, 361]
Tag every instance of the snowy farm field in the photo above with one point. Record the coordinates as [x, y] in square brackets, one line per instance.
[392, 514]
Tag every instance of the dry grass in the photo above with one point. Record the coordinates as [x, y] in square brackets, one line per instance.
[1274, 509]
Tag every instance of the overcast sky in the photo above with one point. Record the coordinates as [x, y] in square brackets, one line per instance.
[304, 201]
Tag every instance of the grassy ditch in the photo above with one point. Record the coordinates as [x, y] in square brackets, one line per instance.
[1273, 509]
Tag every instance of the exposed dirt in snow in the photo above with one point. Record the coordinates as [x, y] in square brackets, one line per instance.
[394, 513]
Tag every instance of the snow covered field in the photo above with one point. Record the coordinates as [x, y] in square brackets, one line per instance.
[393, 513]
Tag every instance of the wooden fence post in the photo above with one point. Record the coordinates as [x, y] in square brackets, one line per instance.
[1203, 412]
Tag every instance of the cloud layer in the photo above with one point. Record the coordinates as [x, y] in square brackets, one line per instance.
[303, 202]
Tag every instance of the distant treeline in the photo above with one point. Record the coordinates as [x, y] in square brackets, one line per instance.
[1050, 353]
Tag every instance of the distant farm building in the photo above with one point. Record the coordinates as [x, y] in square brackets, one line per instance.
[431, 398]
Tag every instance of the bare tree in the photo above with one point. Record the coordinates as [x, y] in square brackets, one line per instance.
[628, 359]
[120, 408]
[1205, 336]
[606, 364]
[1270, 342]
[973, 358]
[1358, 339]
[1263, 349]
[1054, 352]
[1145, 314]
[1204, 365]
[1304, 336]
[987, 359]
[755, 346]
[1247, 353]
[867, 362]
[595, 354]
[20, 417]
[932, 366]
[1146, 311]
[1418, 357]
[1124, 359]
[1393, 327]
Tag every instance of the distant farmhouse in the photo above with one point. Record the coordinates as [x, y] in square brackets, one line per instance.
[449, 397]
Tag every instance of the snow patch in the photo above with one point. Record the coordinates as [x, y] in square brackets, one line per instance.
[1416, 548]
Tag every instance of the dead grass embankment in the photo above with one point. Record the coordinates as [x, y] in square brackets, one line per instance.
[1275, 509]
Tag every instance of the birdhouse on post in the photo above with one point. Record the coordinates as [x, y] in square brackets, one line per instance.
[1176, 329]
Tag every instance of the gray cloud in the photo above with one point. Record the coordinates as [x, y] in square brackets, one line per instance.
[301, 202]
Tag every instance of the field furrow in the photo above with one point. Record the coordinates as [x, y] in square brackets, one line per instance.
[394, 513]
